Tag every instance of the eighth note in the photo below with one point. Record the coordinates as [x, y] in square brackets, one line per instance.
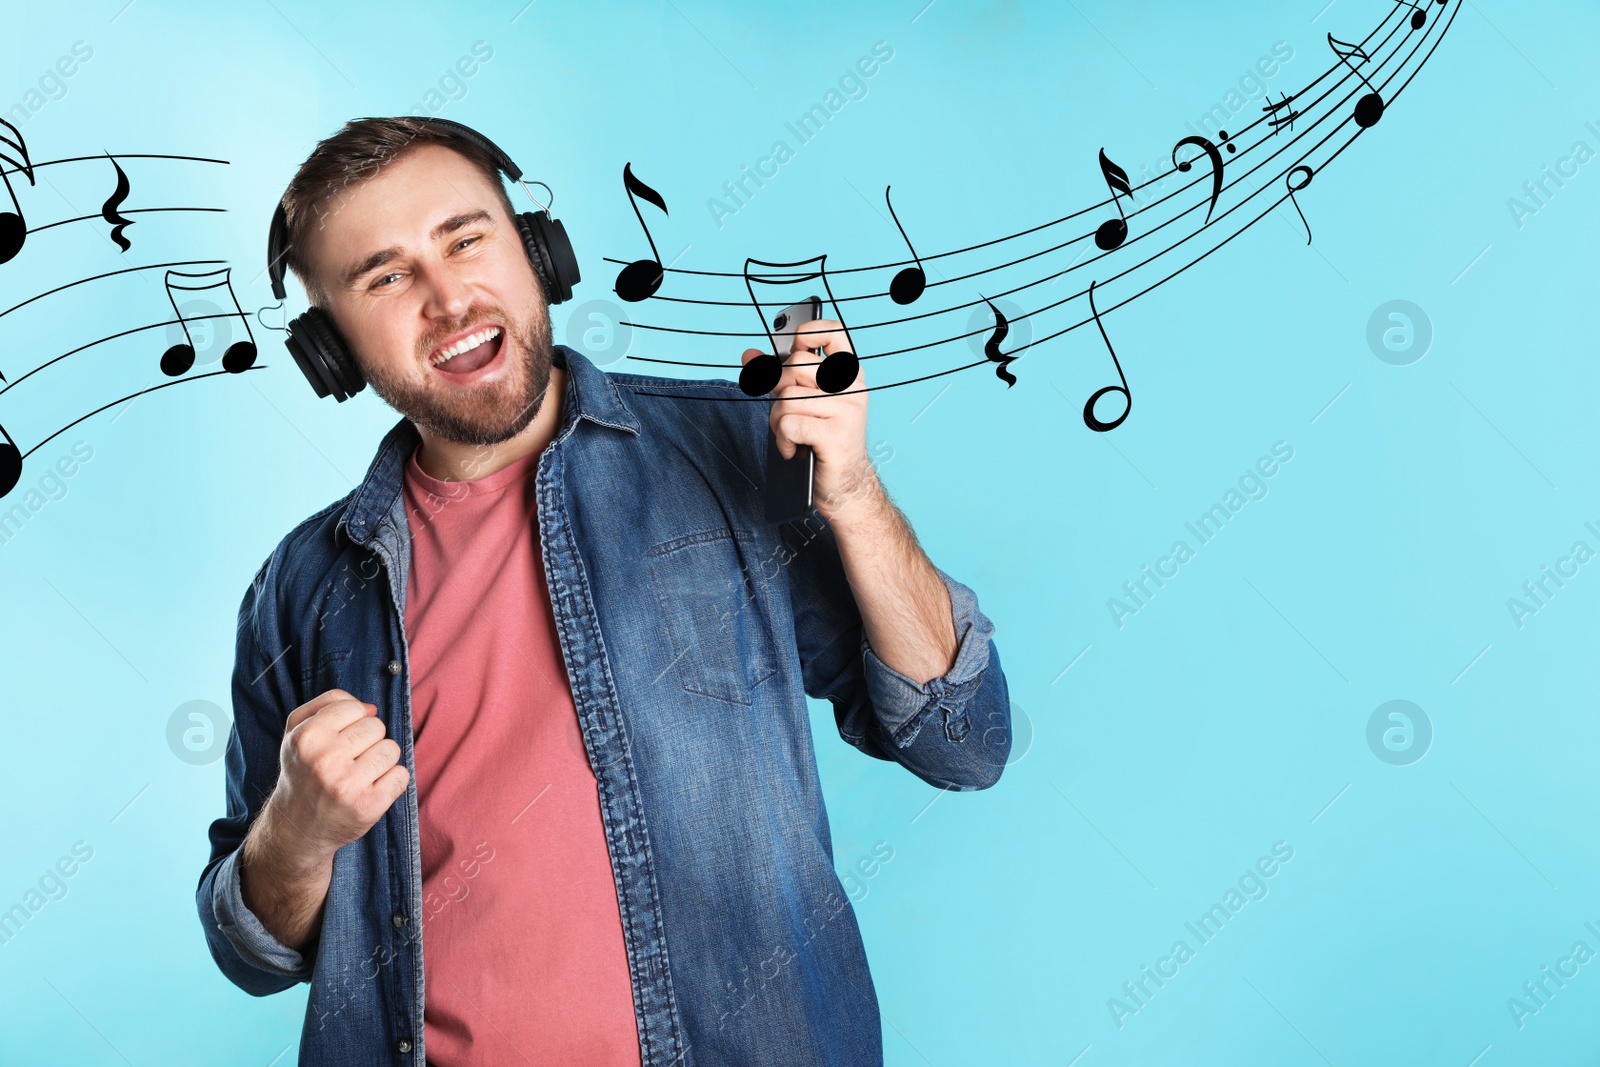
[13, 227]
[1113, 232]
[240, 356]
[909, 282]
[109, 212]
[1089, 418]
[1369, 109]
[837, 370]
[640, 279]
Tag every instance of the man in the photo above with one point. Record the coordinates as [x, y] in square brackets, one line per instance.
[533, 694]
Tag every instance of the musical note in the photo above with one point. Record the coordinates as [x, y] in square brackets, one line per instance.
[108, 210]
[1369, 109]
[908, 283]
[1204, 143]
[1113, 232]
[640, 279]
[1089, 418]
[991, 348]
[240, 356]
[1272, 110]
[1419, 16]
[762, 374]
[1288, 179]
[13, 227]
[10, 462]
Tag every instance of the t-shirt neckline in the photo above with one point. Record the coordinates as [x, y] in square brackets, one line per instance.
[511, 474]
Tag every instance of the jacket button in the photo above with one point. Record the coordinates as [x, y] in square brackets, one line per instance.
[394, 666]
[398, 920]
[405, 1045]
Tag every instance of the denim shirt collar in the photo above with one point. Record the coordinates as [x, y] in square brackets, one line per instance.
[590, 394]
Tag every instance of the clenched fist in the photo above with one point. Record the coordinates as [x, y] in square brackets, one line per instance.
[338, 774]
[339, 771]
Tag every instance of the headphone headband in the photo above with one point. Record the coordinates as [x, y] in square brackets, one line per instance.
[277, 236]
[278, 232]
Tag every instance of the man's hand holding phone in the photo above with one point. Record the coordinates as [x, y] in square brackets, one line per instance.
[834, 426]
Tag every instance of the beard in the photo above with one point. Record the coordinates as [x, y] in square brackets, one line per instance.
[478, 414]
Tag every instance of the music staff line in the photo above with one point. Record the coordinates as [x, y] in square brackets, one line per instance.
[14, 233]
[13, 382]
[1047, 279]
[1050, 278]
[130, 396]
[1298, 164]
[130, 211]
[119, 155]
[985, 362]
[1059, 333]
[109, 274]
[1107, 204]
[14, 229]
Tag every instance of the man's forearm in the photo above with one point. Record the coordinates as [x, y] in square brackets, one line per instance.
[283, 881]
[905, 608]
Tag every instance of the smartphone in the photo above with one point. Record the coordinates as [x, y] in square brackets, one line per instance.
[790, 481]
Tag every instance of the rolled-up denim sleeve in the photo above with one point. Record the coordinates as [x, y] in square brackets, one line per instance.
[953, 731]
[251, 941]
[263, 694]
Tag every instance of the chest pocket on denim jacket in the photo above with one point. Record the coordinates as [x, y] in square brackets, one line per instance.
[718, 638]
[324, 672]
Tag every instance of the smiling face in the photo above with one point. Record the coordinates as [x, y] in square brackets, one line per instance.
[424, 273]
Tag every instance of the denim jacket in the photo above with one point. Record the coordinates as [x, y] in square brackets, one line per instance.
[691, 631]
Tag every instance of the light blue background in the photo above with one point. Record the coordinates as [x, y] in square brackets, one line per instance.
[1223, 717]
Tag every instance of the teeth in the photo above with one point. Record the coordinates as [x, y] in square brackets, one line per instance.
[466, 344]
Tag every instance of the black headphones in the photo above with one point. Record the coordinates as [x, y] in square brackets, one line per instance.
[313, 339]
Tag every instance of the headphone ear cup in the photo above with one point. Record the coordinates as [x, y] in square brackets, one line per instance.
[541, 264]
[550, 252]
[563, 260]
[320, 352]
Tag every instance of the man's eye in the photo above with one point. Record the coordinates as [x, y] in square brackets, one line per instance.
[384, 280]
[466, 241]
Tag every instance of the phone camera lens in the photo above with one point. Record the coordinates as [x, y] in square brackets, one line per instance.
[780, 322]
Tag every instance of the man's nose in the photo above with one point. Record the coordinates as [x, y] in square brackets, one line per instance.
[447, 296]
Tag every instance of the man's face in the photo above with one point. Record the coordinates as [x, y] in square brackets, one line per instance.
[427, 279]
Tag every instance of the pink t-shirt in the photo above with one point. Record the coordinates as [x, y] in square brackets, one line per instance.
[522, 938]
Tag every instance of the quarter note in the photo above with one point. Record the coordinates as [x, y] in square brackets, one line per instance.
[1113, 232]
[762, 374]
[1288, 179]
[1419, 16]
[109, 212]
[640, 279]
[240, 356]
[1204, 143]
[1089, 418]
[13, 227]
[1369, 109]
[10, 462]
[991, 347]
[909, 282]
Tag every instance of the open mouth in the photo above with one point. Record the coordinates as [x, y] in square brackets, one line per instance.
[471, 353]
